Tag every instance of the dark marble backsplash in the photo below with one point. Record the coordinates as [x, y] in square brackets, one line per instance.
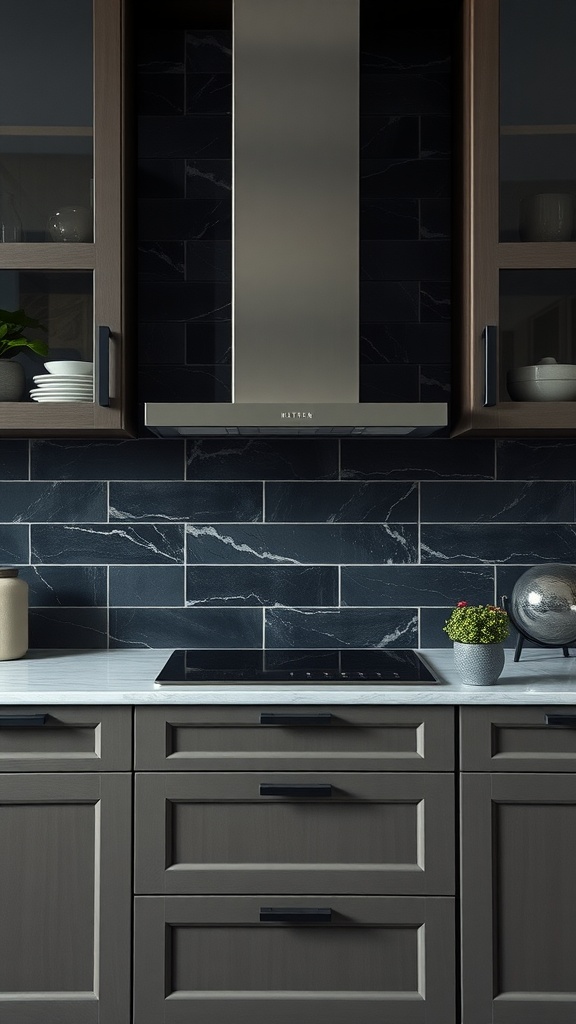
[306, 543]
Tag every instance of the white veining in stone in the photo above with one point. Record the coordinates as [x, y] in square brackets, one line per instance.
[127, 677]
[210, 531]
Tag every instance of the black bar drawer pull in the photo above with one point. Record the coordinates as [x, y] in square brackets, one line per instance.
[490, 364]
[286, 718]
[295, 915]
[104, 366]
[562, 721]
[22, 721]
[295, 789]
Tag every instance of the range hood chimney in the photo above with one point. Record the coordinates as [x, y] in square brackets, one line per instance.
[295, 235]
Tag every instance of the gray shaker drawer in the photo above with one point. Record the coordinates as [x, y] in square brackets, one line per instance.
[344, 960]
[294, 738]
[518, 739]
[57, 738]
[248, 832]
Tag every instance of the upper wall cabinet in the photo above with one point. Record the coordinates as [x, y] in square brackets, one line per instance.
[61, 211]
[518, 202]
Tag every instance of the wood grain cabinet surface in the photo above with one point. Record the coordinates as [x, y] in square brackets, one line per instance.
[518, 898]
[294, 832]
[257, 960]
[274, 893]
[294, 863]
[292, 738]
[57, 738]
[518, 739]
[65, 874]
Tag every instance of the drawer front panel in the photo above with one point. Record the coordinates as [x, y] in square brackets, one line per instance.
[294, 833]
[518, 739]
[374, 961]
[65, 739]
[295, 738]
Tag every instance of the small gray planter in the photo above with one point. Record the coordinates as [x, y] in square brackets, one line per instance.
[478, 664]
[12, 381]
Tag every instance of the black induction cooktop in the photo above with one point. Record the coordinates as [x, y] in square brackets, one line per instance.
[285, 667]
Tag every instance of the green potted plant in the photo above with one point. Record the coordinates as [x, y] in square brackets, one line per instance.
[13, 324]
[478, 633]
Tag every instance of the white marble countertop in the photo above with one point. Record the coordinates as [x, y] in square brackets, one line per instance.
[127, 677]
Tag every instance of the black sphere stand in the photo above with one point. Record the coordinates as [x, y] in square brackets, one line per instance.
[522, 636]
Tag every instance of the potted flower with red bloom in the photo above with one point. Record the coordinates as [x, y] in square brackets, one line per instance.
[478, 632]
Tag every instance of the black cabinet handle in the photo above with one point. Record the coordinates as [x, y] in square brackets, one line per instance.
[104, 366]
[287, 718]
[561, 721]
[31, 721]
[295, 789]
[490, 335]
[294, 915]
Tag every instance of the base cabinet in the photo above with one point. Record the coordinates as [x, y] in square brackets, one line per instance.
[65, 871]
[518, 898]
[254, 960]
[272, 894]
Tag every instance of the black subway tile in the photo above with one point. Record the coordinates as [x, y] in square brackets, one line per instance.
[341, 502]
[74, 628]
[497, 543]
[416, 585]
[147, 585]
[497, 501]
[102, 544]
[347, 627]
[261, 585]
[257, 459]
[300, 544]
[76, 586]
[186, 501]
[186, 627]
[34, 502]
[415, 459]
[142, 459]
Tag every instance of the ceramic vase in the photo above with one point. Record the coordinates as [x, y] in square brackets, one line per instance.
[12, 381]
[478, 664]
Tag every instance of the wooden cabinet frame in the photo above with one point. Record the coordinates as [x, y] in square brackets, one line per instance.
[483, 255]
[105, 257]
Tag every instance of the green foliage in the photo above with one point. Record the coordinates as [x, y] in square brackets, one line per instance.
[477, 624]
[12, 326]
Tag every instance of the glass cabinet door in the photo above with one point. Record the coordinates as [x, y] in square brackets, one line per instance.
[62, 211]
[518, 279]
[537, 120]
[46, 121]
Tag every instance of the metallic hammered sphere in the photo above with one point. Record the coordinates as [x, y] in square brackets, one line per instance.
[543, 604]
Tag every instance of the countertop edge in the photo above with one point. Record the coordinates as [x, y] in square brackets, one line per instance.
[127, 677]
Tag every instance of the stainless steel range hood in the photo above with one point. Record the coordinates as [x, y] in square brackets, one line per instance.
[295, 235]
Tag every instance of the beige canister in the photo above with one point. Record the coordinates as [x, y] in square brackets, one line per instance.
[13, 615]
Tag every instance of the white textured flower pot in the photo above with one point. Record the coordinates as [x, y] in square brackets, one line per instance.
[479, 664]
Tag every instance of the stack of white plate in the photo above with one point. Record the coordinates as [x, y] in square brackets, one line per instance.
[54, 387]
[62, 384]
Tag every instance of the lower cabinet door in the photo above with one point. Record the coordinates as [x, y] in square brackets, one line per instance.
[518, 898]
[65, 905]
[294, 960]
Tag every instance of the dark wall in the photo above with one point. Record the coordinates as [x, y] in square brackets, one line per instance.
[312, 543]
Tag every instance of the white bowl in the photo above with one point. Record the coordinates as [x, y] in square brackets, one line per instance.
[69, 366]
[542, 390]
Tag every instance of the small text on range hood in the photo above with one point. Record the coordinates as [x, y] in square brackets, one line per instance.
[295, 340]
